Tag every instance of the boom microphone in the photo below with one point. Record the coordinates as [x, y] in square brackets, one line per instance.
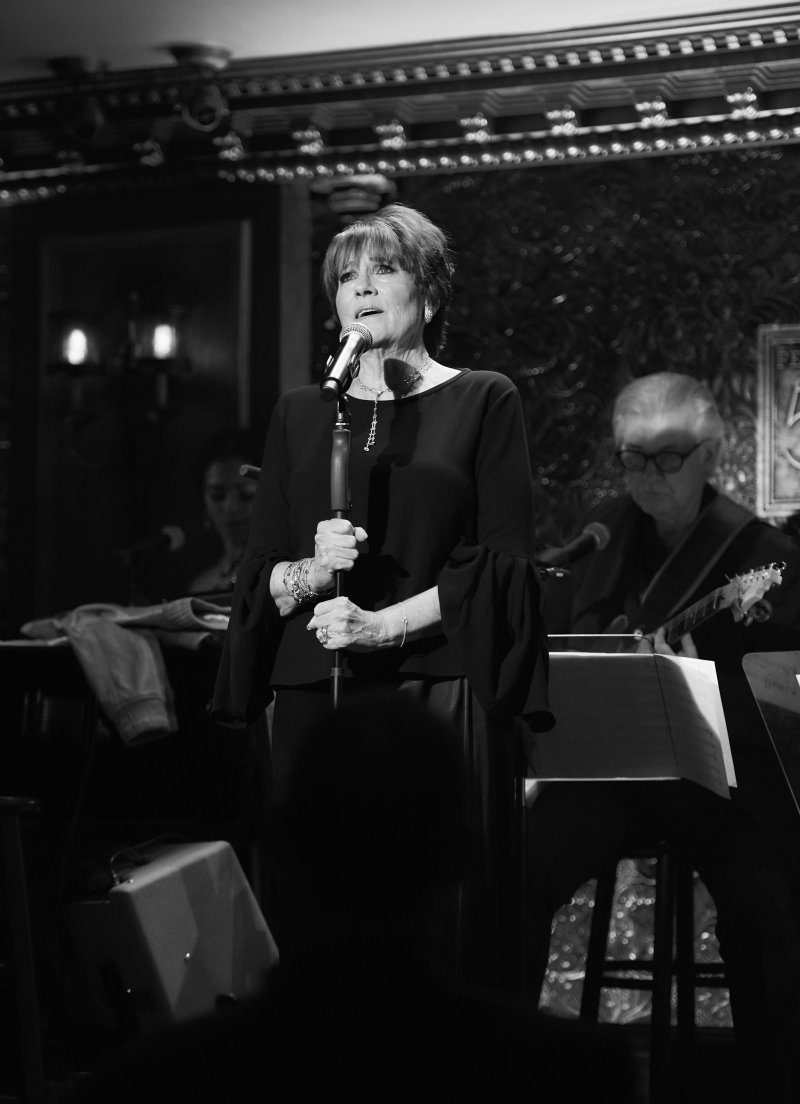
[169, 539]
[353, 341]
[594, 537]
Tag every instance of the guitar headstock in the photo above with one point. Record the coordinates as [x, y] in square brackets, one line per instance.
[750, 587]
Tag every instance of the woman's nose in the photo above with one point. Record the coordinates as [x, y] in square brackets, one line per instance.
[364, 284]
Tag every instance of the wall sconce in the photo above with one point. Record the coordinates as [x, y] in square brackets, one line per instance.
[156, 351]
[73, 342]
[74, 351]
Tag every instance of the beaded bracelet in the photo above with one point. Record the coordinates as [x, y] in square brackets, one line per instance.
[405, 625]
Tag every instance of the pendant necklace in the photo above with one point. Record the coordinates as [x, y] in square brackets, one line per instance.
[414, 378]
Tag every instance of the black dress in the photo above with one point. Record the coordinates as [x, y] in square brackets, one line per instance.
[446, 497]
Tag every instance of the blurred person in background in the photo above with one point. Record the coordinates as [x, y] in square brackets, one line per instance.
[228, 498]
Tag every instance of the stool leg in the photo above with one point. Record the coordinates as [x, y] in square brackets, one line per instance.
[24, 973]
[662, 980]
[521, 836]
[598, 941]
[685, 972]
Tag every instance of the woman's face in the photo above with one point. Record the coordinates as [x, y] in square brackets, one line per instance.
[380, 295]
[229, 501]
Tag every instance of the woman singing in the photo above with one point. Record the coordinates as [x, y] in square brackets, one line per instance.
[443, 599]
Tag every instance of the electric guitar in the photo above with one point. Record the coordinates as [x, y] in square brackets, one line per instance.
[743, 595]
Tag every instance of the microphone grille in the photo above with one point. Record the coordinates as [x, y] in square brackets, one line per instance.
[600, 532]
[177, 537]
[355, 327]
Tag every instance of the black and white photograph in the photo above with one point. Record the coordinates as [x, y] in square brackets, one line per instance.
[399, 552]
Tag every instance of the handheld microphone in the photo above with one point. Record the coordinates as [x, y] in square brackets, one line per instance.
[594, 537]
[169, 538]
[353, 341]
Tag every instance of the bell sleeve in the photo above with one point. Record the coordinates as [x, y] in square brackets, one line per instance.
[489, 589]
[254, 633]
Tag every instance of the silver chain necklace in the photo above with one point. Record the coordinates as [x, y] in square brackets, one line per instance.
[410, 381]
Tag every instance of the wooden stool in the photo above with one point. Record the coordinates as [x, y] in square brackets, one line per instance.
[21, 964]
[673, 955]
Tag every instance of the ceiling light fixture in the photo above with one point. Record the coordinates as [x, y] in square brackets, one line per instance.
[204, 105]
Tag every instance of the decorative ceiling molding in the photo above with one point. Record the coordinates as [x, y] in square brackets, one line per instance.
[646, 89]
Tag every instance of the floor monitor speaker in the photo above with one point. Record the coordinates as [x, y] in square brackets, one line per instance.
[175, 938]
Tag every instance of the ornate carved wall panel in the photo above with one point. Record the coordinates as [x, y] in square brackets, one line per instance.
[650, 87]
[777, 455]
[572, 280]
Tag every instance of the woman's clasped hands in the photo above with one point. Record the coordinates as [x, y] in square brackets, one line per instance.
[338, 622]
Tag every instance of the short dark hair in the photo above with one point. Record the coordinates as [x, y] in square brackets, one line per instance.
[419, 247]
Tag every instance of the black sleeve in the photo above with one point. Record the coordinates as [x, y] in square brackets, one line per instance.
[490, 593]
[255, 630]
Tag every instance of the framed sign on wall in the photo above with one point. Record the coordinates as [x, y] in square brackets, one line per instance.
[778, 424]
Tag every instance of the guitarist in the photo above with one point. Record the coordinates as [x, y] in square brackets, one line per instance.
[674, 539]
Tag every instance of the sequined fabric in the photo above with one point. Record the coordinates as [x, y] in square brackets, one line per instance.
[630, 936]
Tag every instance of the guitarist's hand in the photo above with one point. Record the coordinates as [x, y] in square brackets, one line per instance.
[658, 644]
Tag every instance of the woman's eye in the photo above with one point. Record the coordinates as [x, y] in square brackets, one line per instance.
[345, 276]
[385, 267]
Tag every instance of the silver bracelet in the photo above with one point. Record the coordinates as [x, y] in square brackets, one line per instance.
[295, 581]
[405, 624]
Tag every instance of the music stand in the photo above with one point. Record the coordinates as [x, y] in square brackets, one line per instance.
[625, 716]
[774, 678]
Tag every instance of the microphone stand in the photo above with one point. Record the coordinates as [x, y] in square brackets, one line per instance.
[340, 507]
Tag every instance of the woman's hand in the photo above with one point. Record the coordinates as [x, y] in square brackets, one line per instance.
[657, 643]
[340, 623]
[335, 549]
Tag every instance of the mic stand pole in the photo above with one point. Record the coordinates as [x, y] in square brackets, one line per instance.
[340, 507]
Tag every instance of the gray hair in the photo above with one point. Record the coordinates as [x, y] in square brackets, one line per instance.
[655, 394]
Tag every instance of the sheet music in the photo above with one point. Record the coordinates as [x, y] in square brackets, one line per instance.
[699, 731]
[773, 678]
[630, 716]
[606, 724]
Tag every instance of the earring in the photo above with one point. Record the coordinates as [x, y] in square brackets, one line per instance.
[428, 313]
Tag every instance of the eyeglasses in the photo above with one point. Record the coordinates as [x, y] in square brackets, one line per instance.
[667, 462]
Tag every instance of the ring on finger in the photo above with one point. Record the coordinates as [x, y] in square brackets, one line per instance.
[322, 634]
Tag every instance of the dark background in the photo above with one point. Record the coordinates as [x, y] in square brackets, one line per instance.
[69, 501]
[572, 280]
[568, 279]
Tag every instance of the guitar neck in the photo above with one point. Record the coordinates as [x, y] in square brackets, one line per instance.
[694, 616]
